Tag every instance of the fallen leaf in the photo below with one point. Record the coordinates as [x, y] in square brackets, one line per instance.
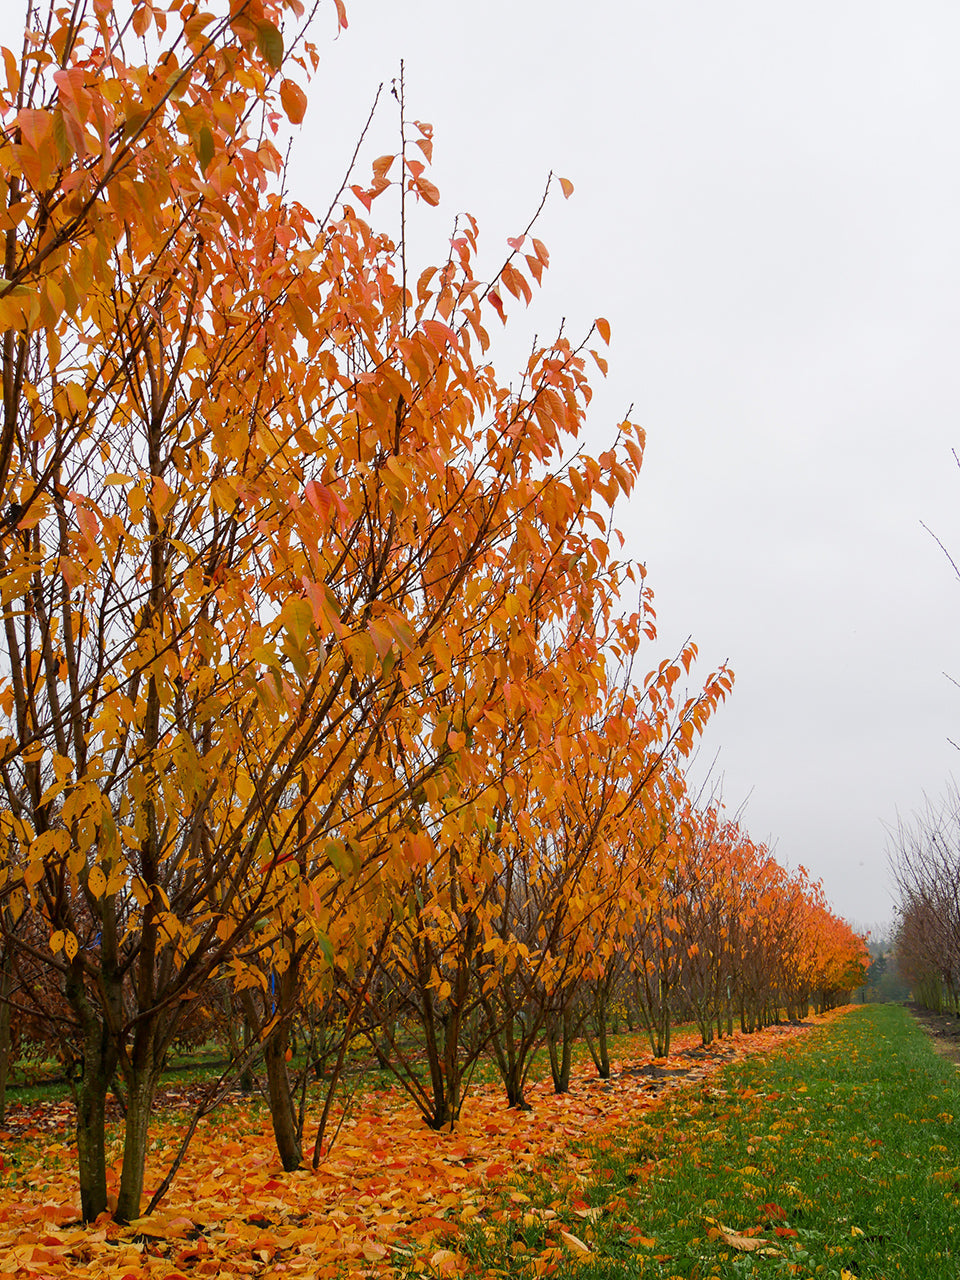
[574, 1243]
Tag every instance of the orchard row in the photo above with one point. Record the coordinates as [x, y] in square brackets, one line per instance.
[321, 696]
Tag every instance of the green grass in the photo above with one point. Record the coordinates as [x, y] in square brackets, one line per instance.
[842, 1152]
[43, 1081]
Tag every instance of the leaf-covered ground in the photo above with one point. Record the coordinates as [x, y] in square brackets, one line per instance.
[391, 1197]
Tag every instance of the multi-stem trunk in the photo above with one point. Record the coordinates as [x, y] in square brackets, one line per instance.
[560, 1048]
[6, 1046]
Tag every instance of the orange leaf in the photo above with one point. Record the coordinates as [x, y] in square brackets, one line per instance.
[427, 191]
[497, 303]
[294, 101]
[35, 127]
[444, 1261]
[603, 328]
[438, 333]
[566, 186]
[745, 1244]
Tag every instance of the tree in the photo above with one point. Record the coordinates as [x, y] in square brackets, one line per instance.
[272, 534]
[925, 862]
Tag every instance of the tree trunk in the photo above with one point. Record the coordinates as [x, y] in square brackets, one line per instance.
[91, 1145]
[511, 1052]
[6, 983]
[248, 1081]
[560, 1048]
[513, 1083]
[602, 1056]
[140, 1093]
[99, 1064]
[282, 1110]
[599, 1051]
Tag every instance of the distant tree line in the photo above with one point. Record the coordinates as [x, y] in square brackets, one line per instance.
[926, 866]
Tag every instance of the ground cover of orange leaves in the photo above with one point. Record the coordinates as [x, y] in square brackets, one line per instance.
[391, 1198]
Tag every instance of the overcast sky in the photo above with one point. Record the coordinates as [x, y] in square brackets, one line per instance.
[767, 210]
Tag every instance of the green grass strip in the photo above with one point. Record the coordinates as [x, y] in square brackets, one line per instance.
[840, 1155]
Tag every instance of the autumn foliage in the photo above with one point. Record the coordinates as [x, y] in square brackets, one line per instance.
[322, 719]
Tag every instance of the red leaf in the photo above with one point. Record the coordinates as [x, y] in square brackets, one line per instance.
[433, 1224]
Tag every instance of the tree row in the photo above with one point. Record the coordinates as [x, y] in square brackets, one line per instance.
[322, 700]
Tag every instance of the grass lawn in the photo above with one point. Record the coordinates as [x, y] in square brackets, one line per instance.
[838, 1156]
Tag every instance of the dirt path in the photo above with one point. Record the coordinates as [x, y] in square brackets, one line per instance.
[942, 1028]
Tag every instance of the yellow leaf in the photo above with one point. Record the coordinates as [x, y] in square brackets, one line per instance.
[70, 946]
[56, 941]
[33, 873]
[116, 882]
[574, 1243]
[296, 618]
[70, 400]
[62, 767]
[96, 881]
[19, 309]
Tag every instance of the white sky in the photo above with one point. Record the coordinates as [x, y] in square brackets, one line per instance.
[767, 210]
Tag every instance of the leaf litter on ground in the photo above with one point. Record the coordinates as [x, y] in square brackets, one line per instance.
[392, 1197]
